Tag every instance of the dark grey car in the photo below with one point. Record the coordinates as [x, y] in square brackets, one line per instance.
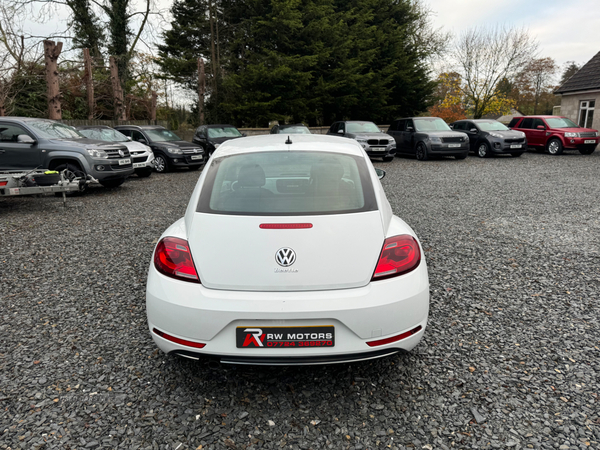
[488, 137]
[375, 142]
[28, 143]
[426, 137]
[170, 151]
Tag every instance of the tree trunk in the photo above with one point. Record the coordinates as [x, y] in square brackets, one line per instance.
[117, 91]
[201, 90]
[51, 52]
[153, 107]
[89, 82]
[213, 57]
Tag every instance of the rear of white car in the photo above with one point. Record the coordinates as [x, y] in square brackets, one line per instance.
[288, 254]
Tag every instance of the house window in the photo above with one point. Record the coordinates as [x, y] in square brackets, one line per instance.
[586, 113]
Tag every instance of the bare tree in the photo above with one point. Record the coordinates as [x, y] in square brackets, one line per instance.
[538, 78]
[485, 56]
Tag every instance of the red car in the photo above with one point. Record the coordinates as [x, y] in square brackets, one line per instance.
[555, 134]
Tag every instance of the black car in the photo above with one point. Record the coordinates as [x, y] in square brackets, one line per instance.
[170, 151]
[209, 137]
[297, 128]
[29, 143]
[426, 137]
[375, 142]
[488, 137]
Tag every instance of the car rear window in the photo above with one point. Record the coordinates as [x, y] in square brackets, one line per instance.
[287, 183]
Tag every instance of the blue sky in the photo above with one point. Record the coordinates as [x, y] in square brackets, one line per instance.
[565, 30]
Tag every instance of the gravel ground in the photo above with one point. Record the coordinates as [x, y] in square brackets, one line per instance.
[511, 357]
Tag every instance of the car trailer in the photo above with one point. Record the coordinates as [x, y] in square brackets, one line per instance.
[33, 182]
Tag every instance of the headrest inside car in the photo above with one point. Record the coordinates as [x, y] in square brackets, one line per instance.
[251, 175]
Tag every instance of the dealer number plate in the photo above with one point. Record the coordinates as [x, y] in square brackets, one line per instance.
[589, 141]
[288, 337]
[197, 157]
[515, 146]
[453, 145]
[122, 162]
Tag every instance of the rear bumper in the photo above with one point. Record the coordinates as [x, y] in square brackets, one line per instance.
[377, 311]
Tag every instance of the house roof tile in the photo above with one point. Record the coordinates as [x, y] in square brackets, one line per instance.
[585, 79]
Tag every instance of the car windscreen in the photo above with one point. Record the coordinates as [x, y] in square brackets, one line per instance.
[362, 127]
[561, 122]
[294, 130]
[491, 126]
[54, 130]
[431, 125]
[104, 134]
[161, 135]
[221, 132]
[287, 183]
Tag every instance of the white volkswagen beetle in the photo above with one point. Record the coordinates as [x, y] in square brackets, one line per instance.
[288, 253]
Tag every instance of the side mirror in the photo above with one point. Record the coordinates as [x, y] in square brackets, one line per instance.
[129, 138]
[340, 131]
[410, 129]
[25, 139]
[473, 130]
[541, 127]
[143, 141]
[244, 135]
[451, 126]
[380, 173]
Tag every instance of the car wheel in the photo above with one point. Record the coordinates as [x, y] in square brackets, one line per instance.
[421, 152]
[388, 158]
[161, 164]
[71, 171]
[516, 155]
[586, 151]
[112, 183]
[483, 150]
[463, 156]
[555, 147]
[144, 173]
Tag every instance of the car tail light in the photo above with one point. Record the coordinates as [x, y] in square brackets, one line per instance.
[173, 258]
[3, 183]
[396, 338]
[177, 340]
[400, 255]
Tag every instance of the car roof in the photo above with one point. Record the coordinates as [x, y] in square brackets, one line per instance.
[300, 142]
[93, 127]
[218, 125]
[141, 127]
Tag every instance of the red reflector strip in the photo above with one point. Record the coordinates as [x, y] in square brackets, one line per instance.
[394, 338]
[3, 183]
[285, 226]
[168, 337]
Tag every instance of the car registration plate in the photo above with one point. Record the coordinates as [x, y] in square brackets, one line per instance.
[284, 337]
[122, 162]
[589, 141]
[378, 149]
[138, 165]
[197, 157]
[453, 145]
[515, 146]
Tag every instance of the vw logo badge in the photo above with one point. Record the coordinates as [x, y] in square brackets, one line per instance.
[122, 153]
[285, 257]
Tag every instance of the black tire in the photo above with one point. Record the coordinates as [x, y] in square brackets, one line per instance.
[112, 183]
[463, 156]
[516, 155]
[586, 151]
[144, 173]
[421, 152]
[73, 171]
[388, 158]
[554, 147]
[161, 163]
[194, 168]
[483, 150]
